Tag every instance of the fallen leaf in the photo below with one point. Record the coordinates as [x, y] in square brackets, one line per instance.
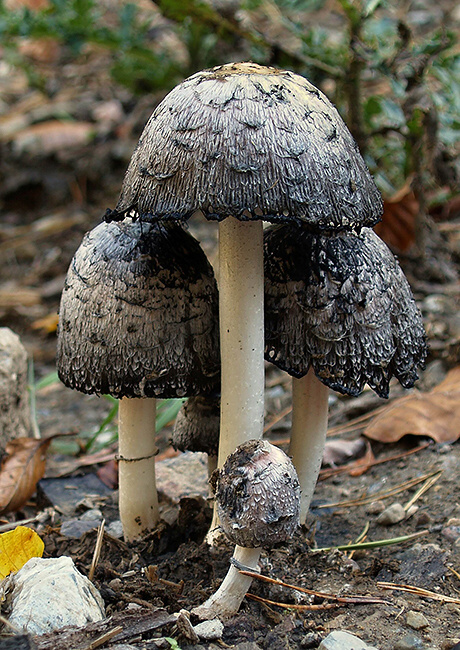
[397, 227]
[22, 466]
[339, 452]
[362, 464]
[53, 136]
[17, 547]
[435, 414]
[48, 324]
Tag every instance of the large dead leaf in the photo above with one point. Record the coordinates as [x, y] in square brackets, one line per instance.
[17, 547]
[435, 414]
[22, 466]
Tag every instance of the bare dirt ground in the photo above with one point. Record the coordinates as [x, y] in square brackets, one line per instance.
[51, 194]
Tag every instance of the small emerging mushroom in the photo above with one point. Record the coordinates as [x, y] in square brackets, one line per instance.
[339, 313]
[257, 495]
[139, 320]
[197, 427]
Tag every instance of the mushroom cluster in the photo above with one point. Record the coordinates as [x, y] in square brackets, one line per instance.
[244, 144]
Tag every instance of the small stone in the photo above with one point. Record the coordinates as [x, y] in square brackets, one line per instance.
[416, 620]
[451, 533]
[340, 640]
[209, 630]
[375, 508]
[392, 515]
[423, 519]
[453, 521]
[408, 642]
[115, 529]
[76, 528]
[311, 640]
[48, 594]
[92, 515]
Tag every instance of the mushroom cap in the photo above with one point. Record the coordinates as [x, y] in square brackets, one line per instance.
[341, 304]
[197, 425]
[139, 314]
[252, 142]
[258, 495]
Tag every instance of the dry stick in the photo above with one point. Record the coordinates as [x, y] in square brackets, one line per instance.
[327, 473]
[301, 608]
[379, 495]
[311, 592]
[97, 550]
[418, 591]
[104, 638]
[430, 482]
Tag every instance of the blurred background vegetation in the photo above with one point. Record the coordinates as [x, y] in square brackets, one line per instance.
[392, 69]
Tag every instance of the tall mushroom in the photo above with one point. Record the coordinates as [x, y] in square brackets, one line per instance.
[339, 313]
[139, 320]
[245, 143]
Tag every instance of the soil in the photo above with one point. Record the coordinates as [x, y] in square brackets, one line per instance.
[48, 201]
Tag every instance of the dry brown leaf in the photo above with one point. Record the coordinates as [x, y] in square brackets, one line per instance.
[361, 465]
[339, 452]
[22, 466]
[435, 414]
[397, 227]
[48, 323]
[53, 136]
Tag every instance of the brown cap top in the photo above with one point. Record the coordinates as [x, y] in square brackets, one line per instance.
[139, 314]
[197, 425]
[341, 304]
[258, 495]
[252, 142]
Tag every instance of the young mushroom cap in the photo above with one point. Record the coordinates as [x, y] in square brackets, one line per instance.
[197, 425]
[253, 142]
[257, 494]
[139, 314]
[341, 304]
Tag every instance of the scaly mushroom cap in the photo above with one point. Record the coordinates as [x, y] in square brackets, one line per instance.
[197, 425]
[342, 304]
[139, 314]
[258, 495]
[252, 142]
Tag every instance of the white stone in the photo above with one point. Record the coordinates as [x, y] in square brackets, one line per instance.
[392, 515]
[48, 594]
[416, 620]
[340, 640]
[209, 630]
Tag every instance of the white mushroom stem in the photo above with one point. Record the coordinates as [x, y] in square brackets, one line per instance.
[138, 500]
[241, 313]
[308, 434]
[227, 599]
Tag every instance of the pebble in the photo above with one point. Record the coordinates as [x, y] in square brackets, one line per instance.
[48, 594]
[340, 640]
[451, 533]
[408, 642]
[416, 620]
[375, 508]
[115, 529]
[209, 630]
[392, 515]
[76, 528]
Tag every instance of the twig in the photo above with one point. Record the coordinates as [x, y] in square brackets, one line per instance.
[419, 591]
[386, 494]
[97, 550]
[425, 487]
[301, 608]
[376, 544]
[104, 638]
[311, 592]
